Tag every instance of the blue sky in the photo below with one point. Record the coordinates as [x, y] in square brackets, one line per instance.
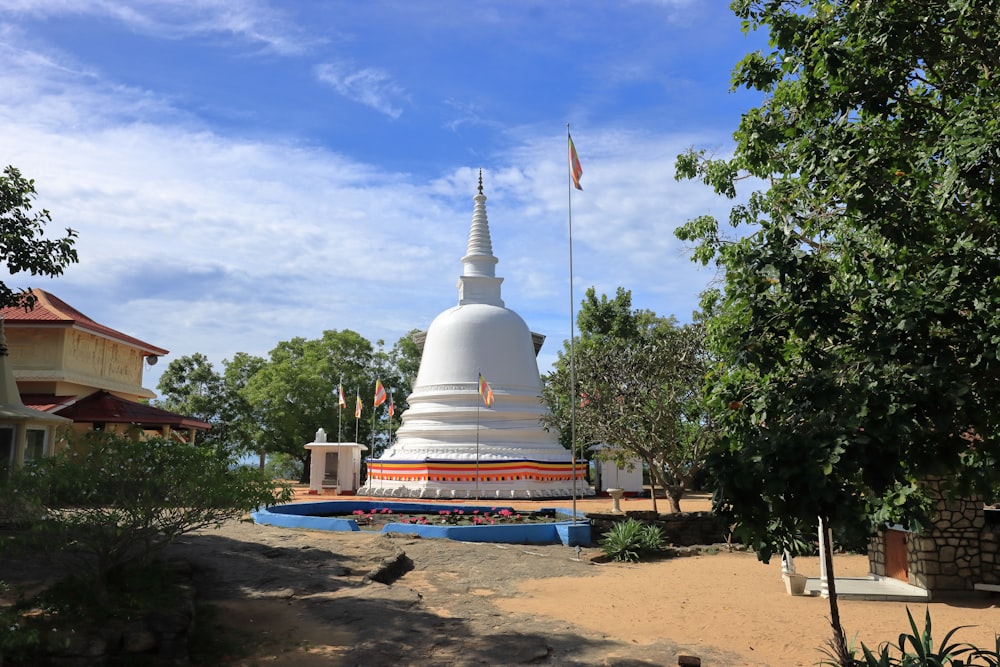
[241, 173]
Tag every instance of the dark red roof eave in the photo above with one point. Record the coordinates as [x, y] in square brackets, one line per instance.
[103, 407]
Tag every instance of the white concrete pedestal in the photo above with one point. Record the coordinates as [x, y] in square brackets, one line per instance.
[616, 496]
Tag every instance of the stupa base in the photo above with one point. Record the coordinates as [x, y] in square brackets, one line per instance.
[482, 493]
[468, 479]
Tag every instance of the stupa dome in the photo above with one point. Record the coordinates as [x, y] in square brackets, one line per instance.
[480, 338]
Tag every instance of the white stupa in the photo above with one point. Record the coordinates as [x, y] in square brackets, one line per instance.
[450, 445]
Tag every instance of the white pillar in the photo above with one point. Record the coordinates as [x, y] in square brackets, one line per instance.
[824, 582]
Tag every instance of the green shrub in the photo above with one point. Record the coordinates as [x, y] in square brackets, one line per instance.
[112, 501]
[629, 540]
[917, 650]
[651, 539]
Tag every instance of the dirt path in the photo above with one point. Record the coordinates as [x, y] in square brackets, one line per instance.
[299, 598]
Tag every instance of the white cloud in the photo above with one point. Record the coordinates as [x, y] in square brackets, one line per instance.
[251, 21]
[202, 242]
[370, 86]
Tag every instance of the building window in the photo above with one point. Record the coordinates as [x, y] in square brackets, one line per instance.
[34, 444]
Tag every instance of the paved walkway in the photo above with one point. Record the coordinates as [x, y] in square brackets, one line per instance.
[872, 588]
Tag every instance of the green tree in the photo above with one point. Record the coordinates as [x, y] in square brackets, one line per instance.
[295, 392]
[190, 386]
[239, 425]
[405, 359]
[858, 321]
[22, 244]
[638, 379]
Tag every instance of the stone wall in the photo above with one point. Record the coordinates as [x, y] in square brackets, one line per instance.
[683, 529]
[959, 549]
[876, 554]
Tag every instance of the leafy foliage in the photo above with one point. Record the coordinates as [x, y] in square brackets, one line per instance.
[858, 320]
[639, 380]
[630, 540]
[22, 246]
[275, 405]
[112, 501]
[857, 327]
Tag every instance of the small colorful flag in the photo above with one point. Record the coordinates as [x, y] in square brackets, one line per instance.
[485, 391]
[379, 393]
[574, 164]
[392, 407]
[340, 396]
[357, 406]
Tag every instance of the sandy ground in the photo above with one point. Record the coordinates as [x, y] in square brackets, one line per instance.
[298, 598]
[726, 607]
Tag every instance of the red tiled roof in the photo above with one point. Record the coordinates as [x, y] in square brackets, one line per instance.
[50, 309]
[102, 406]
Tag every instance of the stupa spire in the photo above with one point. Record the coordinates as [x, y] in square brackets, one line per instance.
[478, 283]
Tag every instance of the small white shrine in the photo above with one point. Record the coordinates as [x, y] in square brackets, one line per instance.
[334, 467]
[609, 475]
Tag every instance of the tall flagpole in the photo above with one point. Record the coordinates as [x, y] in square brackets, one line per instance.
[357, 416]
[374, 410]
[572, 317]
[478, 399]
[340, 407]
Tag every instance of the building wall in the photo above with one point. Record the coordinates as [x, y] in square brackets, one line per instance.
[79, 361]
[35, 349]
[101, 357]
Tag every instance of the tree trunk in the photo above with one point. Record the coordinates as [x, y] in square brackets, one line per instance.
[674, 495]
[838, 643]
[306, 467]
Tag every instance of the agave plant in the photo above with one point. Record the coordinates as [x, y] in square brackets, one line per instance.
[917, 650]
[629, 540]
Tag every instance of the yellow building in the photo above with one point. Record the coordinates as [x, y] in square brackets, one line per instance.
[70, 369]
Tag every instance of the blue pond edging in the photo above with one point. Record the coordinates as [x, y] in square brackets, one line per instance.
[309, 515]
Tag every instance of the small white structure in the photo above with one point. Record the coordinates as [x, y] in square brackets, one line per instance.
[335, 467]
[607, 475]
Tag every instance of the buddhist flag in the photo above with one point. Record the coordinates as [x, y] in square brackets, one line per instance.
[392, 407]
[379, 393]
[485, 391]
[575, 170]
[340, 396]
[357, 406]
